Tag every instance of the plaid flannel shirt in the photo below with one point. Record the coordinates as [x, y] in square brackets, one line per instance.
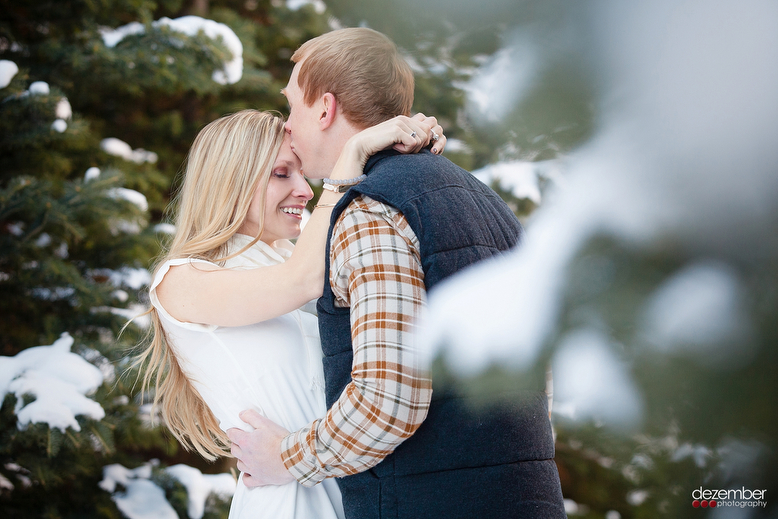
[375, 269]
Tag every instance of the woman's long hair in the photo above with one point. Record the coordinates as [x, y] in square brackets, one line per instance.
[230, 159]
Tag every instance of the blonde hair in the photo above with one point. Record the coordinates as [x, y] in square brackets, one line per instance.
[230, 159]
[362, 68]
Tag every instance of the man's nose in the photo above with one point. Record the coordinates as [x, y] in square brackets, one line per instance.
[287, 127]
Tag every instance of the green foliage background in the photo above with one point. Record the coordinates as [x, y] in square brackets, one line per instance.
[61, 236]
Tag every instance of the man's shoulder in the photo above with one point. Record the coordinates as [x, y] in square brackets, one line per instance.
[413, 173]
[389, 163]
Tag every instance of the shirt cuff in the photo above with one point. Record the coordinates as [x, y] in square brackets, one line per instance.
[301, 464]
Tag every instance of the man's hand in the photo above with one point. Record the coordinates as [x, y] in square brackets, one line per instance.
[259, 451]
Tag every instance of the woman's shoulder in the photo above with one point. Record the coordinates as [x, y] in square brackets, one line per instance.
[164, 269]
[176, 273]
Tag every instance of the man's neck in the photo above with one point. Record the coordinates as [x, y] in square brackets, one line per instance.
[341, 133]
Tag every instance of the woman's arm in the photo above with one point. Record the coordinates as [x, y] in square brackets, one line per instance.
[208, 294]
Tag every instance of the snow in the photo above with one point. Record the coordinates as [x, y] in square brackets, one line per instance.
[135, 278]
[59, 125]
[149, 415]
[111, 37]
[106, 367]
[503, 80]
[589, 378]
[5, 484]
[58, 379]
[122, 400]
[53, 293]
[17, 228]
[137, 198]
[134, 313]
[318, 5]
[637, 497]
[119, 148]
[661, 168]
[63, 109]
[165, 228]
[44, 240]
[699, 453]
[39, 88]
[191, 25]
[698, 310]
[117, 227]
[62, 251]
[92, 173]
[457, 146]
[8, 70]
[573, 508]
[121, 295]
[517, 177]
[144, 499]
[199, 486]
[737, 458]
[20, 473]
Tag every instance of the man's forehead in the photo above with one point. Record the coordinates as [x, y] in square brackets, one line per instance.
[289, 87]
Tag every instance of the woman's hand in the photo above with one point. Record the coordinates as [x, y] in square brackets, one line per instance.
[404, 134]
[436, 139]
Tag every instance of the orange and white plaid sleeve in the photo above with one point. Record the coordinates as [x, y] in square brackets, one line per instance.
[375, 269]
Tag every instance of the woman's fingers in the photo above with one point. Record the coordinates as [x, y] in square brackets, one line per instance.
[435, 138]
[412, 134]
[428, 120]
[416, 133]
[438, 140]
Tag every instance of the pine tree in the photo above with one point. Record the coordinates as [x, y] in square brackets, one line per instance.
[92, 136]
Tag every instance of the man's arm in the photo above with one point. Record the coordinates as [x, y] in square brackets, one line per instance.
[376, 271]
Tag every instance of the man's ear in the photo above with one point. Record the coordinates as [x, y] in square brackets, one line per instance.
[329, 110]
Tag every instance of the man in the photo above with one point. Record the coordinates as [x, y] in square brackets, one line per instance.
[415, 220]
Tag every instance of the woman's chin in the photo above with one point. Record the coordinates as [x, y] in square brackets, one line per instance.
[292, 235]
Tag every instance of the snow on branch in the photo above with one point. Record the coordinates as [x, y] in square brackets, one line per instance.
[119, 148]
[191, 25]
[8, 70]
[142, 498]
[58, 379]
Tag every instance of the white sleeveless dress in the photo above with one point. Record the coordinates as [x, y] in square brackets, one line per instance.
[273, 367]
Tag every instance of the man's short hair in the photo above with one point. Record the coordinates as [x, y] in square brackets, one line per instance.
[362, 69]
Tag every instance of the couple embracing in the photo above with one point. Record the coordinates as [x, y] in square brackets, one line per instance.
[327, 407]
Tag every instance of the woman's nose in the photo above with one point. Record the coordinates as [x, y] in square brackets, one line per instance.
[302, 189]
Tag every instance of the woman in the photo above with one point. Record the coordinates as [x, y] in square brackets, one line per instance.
[233, 324]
